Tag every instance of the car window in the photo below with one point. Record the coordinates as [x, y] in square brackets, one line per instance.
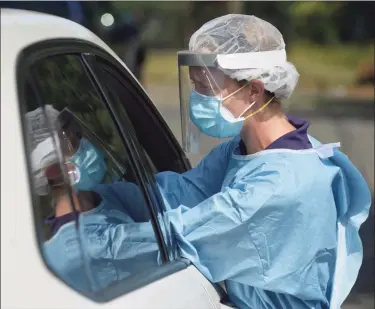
[95, 217]
[120, 96]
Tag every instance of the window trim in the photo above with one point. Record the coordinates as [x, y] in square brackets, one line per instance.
[133, 156]
[25, 59]
[137, 146]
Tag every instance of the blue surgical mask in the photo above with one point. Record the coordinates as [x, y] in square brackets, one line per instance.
[212, 118]
[90, 164]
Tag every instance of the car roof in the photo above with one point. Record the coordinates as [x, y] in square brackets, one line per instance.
[21, 28]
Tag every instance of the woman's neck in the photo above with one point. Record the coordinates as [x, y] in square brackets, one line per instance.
[262, 130]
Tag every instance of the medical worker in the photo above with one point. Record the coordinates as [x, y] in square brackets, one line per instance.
[272, 212]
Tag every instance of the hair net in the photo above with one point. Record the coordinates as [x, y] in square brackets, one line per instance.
[238, 34]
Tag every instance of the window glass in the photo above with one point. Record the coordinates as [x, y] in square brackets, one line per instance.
[99, 227]
[118, 91]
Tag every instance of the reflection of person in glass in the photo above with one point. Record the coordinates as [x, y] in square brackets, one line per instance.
[98, 215]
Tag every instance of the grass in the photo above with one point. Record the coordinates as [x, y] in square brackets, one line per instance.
[327, 67]
[161, 67]
[319, 67]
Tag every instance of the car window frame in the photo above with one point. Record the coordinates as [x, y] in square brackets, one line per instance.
[25, 59]
[173, 251]
[134, 157]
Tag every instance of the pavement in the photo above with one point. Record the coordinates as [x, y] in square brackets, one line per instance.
[352, 125]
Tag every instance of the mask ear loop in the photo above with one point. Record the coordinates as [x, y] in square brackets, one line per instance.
[251, 105]
[233, 93]
[254, 113]
[259, 110]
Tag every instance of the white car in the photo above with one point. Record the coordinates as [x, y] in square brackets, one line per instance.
[47, 60]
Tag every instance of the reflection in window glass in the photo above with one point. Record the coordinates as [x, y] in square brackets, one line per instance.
[56, 214]
[122, 99]
[99, 225]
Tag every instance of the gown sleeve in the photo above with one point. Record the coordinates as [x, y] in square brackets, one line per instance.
[188, 189]
[199, 183]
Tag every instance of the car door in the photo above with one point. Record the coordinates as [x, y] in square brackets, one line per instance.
[63, 74]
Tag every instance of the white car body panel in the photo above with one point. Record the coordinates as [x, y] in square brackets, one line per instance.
[26, 281]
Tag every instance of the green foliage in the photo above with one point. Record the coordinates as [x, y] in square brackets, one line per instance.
[150, 5]
[316, 21]
[319, 14]
[330, 66]
[314, 8]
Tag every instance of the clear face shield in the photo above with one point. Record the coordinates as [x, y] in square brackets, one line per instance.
[205, 94]
[204, 89]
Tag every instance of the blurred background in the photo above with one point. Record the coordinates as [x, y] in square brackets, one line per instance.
[330, 43]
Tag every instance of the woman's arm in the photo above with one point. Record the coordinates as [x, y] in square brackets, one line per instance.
[199, 183]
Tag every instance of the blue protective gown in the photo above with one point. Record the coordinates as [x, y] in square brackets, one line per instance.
[280, 227]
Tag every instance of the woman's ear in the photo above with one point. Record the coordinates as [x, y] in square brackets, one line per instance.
[257, 91]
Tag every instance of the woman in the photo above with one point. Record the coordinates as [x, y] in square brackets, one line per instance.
[272, 212]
